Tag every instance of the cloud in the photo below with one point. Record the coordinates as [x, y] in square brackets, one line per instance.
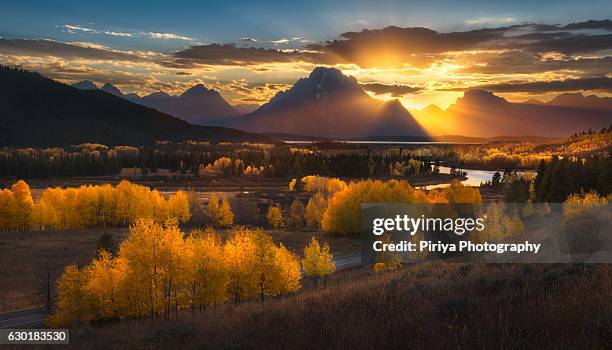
[605, 24]
[590, 83]
[396, 90]
[489, 20]
[247, 39]
[38, 47]
[229, 54]
[73, 28]
[395, 47]
[107, 32]
[280, 41]
[167, 36]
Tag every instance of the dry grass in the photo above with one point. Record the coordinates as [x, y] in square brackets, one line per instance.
[421, 307]
[26, 257]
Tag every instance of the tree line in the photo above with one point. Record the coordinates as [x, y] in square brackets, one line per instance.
[87, 206]
[561, 177]
[158, 270]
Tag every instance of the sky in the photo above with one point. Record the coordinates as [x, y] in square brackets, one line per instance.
[420, 52]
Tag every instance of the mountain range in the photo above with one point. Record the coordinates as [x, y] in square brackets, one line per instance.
[197, 105]
[330, 104]
[38, 111]
[577, 100]
[483, 114]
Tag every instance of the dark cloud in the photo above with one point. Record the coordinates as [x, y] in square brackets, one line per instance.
[394, 46]
[591, 83]
[574, 44]
[61, 49]
[396, 90]
[526, 62]
[229, 54]
[605, 24]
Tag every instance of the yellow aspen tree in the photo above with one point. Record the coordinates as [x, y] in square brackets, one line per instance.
[226, 215]
[289, 276]
[123, 197]
[160, 206]
[171, 263]
[318, 262]
[206, 276]
[266, 268]
[50, 208]
[143, 251]
[239, 257]
[178, 206]
[275, 217]
[69, 216]
[103, 285]
[74, 301]
[212, 210]
[314, 211]
[23, 204]
[7, 206]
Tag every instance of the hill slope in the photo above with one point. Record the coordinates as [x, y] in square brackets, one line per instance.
[37, 111]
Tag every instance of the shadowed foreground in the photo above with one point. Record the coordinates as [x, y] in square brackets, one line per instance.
[425, 306]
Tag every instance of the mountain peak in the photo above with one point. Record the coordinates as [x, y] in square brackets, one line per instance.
[578, 100]
[85, 85]
[197, 91]
[432, 109]
[472, 96]
[111, 89]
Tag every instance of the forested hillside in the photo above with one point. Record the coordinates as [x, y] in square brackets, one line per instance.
[37, 111]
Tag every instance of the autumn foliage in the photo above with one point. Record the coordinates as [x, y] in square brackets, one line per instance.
[158, 271]
[343, 210]
[87, 206]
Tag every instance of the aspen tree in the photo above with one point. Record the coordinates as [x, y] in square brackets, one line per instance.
[314, 211]
[275, 217]
[226, 216]
[317, 262]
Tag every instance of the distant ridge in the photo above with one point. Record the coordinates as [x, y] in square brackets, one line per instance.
[480, 113]
[38, 111]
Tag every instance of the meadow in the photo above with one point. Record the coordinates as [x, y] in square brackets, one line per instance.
[437, 305]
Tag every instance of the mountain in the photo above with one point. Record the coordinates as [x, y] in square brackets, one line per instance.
[578, 100]
[85, 85]
[329, 104]
[197, 105]
[245, 108]
[481, 113]
[37, 111]
[111, 89]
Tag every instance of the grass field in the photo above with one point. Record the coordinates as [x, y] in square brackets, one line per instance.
[424, 306]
